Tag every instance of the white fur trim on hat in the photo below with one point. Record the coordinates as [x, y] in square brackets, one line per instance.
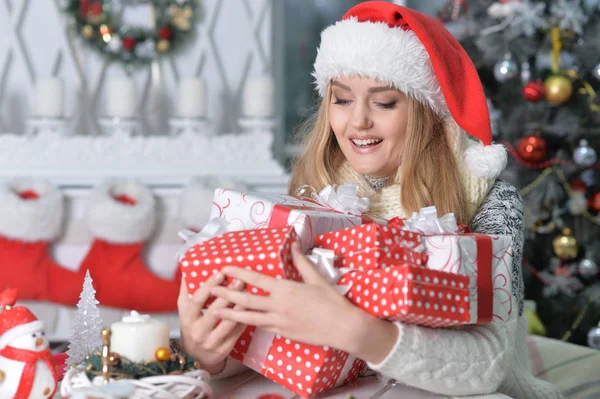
[36, 219]
[486, 161]
[392, 56]
[19, 331]
[118, 222]
[197, 196]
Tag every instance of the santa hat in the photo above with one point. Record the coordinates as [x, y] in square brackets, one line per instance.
[15, 321]
[416, 54]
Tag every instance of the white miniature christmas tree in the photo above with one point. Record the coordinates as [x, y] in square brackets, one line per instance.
[87, 326]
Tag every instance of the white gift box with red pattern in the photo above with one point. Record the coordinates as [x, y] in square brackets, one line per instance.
[246, 211]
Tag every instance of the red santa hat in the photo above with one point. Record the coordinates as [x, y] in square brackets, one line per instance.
[15, 321]
[416, 54]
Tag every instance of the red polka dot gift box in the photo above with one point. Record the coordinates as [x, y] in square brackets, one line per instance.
[373, 246]
[488, 262]
[246, 211]
[411, 294]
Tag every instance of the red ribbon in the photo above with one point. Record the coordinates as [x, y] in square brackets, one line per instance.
[29, 358]
[485, 286]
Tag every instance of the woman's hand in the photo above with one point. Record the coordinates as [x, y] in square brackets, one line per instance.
[311, 312]
[202, 336]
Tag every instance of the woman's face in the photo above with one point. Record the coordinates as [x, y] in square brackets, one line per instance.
[369, 122]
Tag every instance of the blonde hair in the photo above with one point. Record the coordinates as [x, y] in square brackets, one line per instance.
[429, 174]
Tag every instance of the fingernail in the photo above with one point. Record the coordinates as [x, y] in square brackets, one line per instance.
[226, 269]
[219, 277]
[238, 285]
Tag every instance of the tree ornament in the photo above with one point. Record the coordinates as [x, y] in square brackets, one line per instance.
[163, 46]
[87, 31]
[594, 202]
[534, 91]
[588, 268]
[87, 325]
[559, 89]
[129, 43]
[506, 69]
[181, 17]
[565, 245]
[578, 203]
[584, 155]
[593, 337]
[596, 72]
[163, 354]
[532, 149]
[165, 33]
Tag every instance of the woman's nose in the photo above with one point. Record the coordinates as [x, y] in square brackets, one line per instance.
[361, 119]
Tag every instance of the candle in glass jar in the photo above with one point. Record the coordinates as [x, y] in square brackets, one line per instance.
[258, 99]
[137, 337]
[191, 99]
[49, 98]
[121, 98]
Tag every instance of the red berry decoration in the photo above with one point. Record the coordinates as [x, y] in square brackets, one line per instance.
[165, 33]
[534, 91]
[128, 43]
[532, 149]
[594, 203]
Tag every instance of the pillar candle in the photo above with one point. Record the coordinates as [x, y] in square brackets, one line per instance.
[49, 98]
[191, 98]
[258, 101]
[137, 337]
[121, 98]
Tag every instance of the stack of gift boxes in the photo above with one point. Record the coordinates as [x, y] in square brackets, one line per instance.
[423, 270]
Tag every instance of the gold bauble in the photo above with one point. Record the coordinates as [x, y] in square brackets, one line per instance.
[163, 354]
[559, 89]
[565, 245]
[163, 45]
[87, 31]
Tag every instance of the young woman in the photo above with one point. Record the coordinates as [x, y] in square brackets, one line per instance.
[404, 116]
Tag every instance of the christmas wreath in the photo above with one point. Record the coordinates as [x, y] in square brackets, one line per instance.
[97, 21]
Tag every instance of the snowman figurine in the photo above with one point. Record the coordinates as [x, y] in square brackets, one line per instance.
[26, 368]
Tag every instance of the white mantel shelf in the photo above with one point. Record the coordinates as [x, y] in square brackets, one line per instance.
[154, 160]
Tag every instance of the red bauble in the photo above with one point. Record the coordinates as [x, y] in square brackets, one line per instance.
[532, 149]
[128, 43]
[165, 33]
[534, 91]
[594, 202]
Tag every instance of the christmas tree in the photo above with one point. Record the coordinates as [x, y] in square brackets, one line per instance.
[540, 67]
[87, 326]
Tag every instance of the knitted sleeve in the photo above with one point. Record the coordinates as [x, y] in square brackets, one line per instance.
[471, 359]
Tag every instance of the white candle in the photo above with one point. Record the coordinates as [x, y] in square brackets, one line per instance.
[258, 101]
[191, 98]
[49, 98]
[137, 337]
[121, 99]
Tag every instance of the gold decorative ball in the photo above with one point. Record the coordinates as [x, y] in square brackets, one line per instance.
[163, 354]
[163, 45]
[565, 245]
[559, 89]
[87, 31]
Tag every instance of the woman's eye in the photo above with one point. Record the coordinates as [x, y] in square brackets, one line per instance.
[389, 105]
[340, 101]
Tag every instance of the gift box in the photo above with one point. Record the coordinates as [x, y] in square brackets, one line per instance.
[245, 211]
[486, 259]
[411, 294]
[267, 251]
[304, 369]
[373, 246]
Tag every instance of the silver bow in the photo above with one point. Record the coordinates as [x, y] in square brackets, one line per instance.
[426, 222]
[323, 260]
[215, 227]
[343, 198]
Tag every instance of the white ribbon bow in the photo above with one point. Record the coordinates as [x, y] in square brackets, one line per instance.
[323, 260]
[215, 227]
[426, 222]
[342, 198]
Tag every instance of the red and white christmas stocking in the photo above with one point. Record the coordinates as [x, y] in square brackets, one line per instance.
[31, 216]
[122, 216]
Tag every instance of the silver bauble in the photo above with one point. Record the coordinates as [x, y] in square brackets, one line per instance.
[596, 72]
[593, 337]
[584, 155]
[506, 69]
[588, 268]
